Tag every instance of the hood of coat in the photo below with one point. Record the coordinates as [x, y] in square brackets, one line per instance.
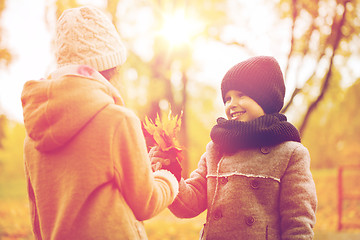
[55, 109]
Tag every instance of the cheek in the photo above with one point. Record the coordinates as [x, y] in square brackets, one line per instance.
[255, 110]
[227, 110]
[116, 81]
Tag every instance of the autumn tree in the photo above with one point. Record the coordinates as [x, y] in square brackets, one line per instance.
[332, 135]
[321, 33]
[5, 55]
[160, 81]
[322, 37]
[3, 121]
[5, 60]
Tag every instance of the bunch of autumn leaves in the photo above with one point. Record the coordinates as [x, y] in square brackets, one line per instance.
[164, 131]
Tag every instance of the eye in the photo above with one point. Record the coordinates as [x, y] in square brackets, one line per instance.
[227, 99]
[240, 95]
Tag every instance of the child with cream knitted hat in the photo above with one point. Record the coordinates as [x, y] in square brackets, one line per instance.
[86, 163]
[254, 178]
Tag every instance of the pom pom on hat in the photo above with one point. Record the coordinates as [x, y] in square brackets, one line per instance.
[85, 35]
[261, 79]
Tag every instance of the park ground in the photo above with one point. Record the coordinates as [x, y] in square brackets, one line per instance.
[15, 222]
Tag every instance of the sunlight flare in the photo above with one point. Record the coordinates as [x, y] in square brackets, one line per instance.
[178, 28]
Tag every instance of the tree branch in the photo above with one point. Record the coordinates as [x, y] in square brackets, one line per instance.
[294, 17]
[326, 82]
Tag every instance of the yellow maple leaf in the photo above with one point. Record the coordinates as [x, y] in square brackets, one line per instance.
[164, 130]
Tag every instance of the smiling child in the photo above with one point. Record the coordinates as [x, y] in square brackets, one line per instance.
[254, 179]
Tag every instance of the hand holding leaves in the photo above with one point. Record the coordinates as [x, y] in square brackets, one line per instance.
[167, 154]
[165, 160]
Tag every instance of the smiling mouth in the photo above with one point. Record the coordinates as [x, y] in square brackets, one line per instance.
[236, 115]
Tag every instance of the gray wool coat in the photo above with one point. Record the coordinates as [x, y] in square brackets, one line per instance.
[255, 194]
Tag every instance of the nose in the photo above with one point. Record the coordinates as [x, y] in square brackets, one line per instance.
[232, 103]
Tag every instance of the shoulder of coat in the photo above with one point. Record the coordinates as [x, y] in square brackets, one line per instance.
[290, 145]
[290, 148]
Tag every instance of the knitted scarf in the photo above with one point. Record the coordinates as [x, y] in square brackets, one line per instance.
[267, 130]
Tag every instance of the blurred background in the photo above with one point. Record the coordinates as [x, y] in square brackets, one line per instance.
[178, 52]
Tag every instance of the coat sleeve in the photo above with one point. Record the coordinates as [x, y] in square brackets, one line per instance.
[145, 192]
[192, 197]
[298, 199]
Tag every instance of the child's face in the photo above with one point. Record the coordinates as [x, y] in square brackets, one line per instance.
[240, 107]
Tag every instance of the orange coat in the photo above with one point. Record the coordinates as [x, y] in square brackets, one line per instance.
[86, 164]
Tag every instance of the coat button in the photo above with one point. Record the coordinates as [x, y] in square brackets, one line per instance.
[265, 150]
[217, 214]
[249, 220]
[224, 180]
[255, 184]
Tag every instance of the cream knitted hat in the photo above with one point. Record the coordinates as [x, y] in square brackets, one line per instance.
[85, 35]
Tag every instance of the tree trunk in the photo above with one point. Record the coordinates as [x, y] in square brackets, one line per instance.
[326, 82]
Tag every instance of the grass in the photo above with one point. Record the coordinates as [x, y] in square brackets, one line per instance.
[167, 226]
[14, 210]
[327, 192]
[15, 222]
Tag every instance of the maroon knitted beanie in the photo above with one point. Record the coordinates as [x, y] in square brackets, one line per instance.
[261, 79]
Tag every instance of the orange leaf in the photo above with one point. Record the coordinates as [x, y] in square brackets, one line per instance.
[164, 131]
